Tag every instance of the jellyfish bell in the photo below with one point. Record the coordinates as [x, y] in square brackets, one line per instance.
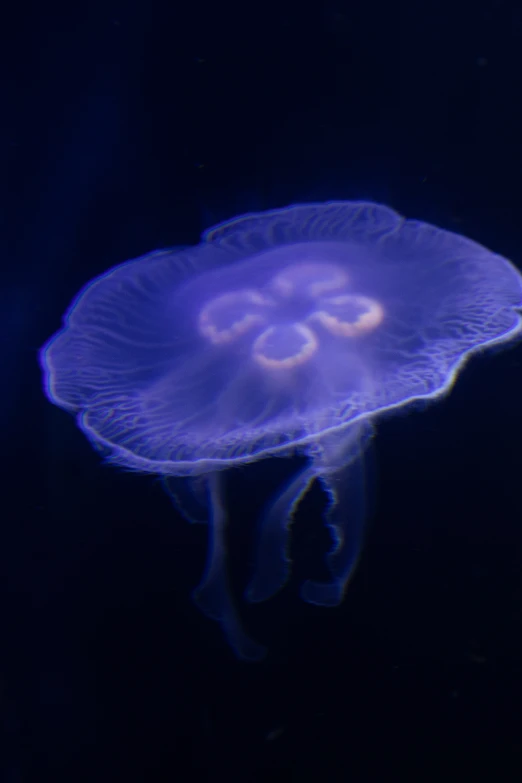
[309, 278]
[281, 332]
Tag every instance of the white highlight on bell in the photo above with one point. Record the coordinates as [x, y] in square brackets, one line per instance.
[365, 322]
[208, 328]
[301, 357]
[328, 277]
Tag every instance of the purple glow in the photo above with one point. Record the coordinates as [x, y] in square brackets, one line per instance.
[287, 329]
[133, 361]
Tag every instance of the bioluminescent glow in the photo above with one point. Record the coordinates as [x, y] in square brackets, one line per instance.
[281, 332]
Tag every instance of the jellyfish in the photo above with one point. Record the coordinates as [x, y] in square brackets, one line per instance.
[285, 332]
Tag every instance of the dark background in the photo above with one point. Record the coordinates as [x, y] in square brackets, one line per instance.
[132, 126]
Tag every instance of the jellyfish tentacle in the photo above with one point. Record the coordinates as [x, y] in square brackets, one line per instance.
[338, 461]
[213, 595]
[189, 496]
[342, 471]
[272, 569]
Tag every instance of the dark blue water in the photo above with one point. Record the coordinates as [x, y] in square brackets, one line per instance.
[127, 127]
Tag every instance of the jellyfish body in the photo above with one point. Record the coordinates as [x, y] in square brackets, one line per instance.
[281, 332]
